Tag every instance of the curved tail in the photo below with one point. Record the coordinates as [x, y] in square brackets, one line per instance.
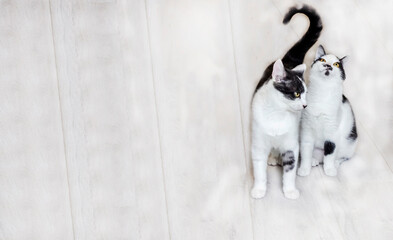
[296, 54]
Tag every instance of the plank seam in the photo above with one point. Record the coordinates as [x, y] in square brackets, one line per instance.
[240, 108]
[157, 117]
[62, 120]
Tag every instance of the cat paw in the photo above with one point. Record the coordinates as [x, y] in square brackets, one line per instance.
[258, 192]
[272, 162]
[292, 194]
[314, 162]
[303, 172]
[332, 172]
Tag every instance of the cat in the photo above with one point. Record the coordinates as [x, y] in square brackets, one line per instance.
[328, 126]
[276, 109]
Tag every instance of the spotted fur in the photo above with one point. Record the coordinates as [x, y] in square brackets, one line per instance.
[288, 161]
[328, 122]
[328, 147]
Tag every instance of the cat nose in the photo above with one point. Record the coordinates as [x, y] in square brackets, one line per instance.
[328, 66]
[304, 106]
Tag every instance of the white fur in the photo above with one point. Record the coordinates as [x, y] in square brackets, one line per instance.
[275, 126]
[325, 118]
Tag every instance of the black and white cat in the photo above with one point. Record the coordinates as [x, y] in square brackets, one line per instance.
[276, 109]
[328, 128]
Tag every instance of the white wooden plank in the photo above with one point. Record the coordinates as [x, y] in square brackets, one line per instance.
[200, 125]
[34, 200]
[110, 123]
[310, 217]
[376, 18]
[364, 211]
[361, 194]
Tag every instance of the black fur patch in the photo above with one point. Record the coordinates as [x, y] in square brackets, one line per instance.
[295, 55]
[328, 67]
[344, 99]
[288, 161]
[329, 147]
[353, 135]
[290, 85]
[341, 67]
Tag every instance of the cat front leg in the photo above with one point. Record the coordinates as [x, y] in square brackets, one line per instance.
[306, 152]
[274, 158]
[259, 153]
[260, 179]
[317, 156]
[289, 165]
[330, 153]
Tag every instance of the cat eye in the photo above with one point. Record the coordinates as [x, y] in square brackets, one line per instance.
[296, 94]
[336, 64]
[322, 60]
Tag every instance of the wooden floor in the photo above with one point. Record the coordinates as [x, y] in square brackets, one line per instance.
[130, 120]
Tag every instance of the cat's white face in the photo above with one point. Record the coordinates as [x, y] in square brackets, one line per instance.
[328, 67]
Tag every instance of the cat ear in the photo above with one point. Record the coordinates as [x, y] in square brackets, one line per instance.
[320, 52]
[278, 71]
[344, 60]
[300, 68]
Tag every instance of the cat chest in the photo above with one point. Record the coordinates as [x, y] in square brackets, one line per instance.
[278, 125]
[320, 124]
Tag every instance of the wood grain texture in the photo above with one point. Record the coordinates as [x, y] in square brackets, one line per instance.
[200, 126]
[34, 201]
[359, 195]
[131, 120]
[376, 17]
[110, 124]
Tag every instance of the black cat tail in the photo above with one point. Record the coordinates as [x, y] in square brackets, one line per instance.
[296, 54]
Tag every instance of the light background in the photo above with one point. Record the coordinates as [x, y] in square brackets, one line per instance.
[131, 120]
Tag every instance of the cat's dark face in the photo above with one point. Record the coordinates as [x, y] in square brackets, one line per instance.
[290, 85]
[328, 66]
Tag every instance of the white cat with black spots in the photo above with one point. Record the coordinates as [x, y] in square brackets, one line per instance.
[328, 126]
[276, 110]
